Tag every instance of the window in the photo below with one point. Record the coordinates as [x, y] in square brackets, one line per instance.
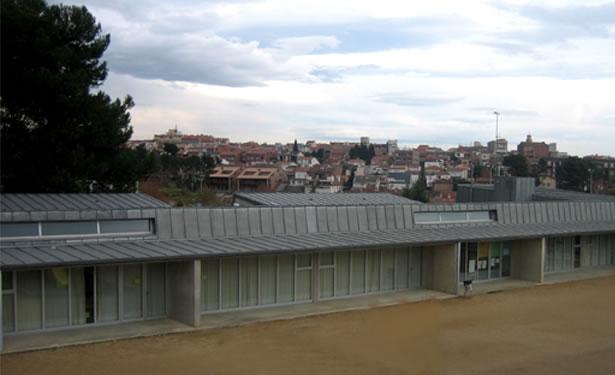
[7, 280]
[76, 228]
[18, 229]
[124, 226]
[426, 217]
[29, 300]
[68, 228]
[454, 217]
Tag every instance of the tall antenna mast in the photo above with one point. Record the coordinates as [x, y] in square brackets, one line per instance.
[497, 117]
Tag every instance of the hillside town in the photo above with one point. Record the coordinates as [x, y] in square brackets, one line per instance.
[365, 166]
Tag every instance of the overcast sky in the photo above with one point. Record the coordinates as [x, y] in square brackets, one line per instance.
[420, 72]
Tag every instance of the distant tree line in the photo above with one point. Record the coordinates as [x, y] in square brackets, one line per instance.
[363, 152]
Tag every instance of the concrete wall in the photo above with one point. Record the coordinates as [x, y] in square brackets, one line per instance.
[528, 259]
[184, 301]
[441, 268]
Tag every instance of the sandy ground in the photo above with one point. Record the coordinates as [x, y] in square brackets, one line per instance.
[555, 329]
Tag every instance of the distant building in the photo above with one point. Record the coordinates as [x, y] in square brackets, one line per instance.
[258, 179]
[392, 146]
[223, 179]
[533, 151]
[498, 147]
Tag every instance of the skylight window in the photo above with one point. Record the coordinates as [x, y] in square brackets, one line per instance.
[451, 217]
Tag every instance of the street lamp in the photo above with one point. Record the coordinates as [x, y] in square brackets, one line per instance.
[591, 172]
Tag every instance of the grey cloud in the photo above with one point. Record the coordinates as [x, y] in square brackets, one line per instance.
[205, 59]
[563, 23]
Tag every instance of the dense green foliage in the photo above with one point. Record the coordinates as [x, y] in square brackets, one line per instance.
[363, 152]
[573, 174]
[517, 165]
[59, 132]
[418, 191]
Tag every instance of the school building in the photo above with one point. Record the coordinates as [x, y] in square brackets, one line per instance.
[75, 261]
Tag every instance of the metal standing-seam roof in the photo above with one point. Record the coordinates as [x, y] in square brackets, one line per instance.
[176, 249]
[67, 202]
[324, 199]
[542, 193]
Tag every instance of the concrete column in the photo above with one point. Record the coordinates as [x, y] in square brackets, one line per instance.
[185, 292]
[1, 330]
[440, 268]
[528, 259]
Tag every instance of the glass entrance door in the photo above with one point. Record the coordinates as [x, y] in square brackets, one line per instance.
[484, 261]
[468, 265]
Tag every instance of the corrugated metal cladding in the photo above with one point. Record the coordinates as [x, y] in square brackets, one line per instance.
[136, 251]
[72, 202]
[326, 199]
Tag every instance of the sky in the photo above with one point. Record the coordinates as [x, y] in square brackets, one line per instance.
[421, 72]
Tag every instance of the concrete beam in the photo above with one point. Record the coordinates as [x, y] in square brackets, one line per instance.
[441, 268]
[528, 259]
[185, 292]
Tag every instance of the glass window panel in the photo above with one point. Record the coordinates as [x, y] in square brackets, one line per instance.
[357, 280]
[326, 259]
[156, 289]
[483, 261]
[327, 276]
[68, 228]
[303, 290]
[373, 270]
[388, 269]
[229, 267]
[342, 273]
[448, 217]
[18, 229]
[426, 217]
[7, 280]
[249, 281]
[107, 293]
[82, 295]
[8, 312]
[304, 260]
[463, 262]
[29, 300]
[478, 216]
[124, 226]
[209, 285]
[286, 272]
[133, 291]
[56, 297]
[495, 260]
[415, 267]
[402, 268]
[506, 248]
[267, 282]
[472, 257]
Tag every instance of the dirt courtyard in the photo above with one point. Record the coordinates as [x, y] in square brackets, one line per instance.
[553, 329]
